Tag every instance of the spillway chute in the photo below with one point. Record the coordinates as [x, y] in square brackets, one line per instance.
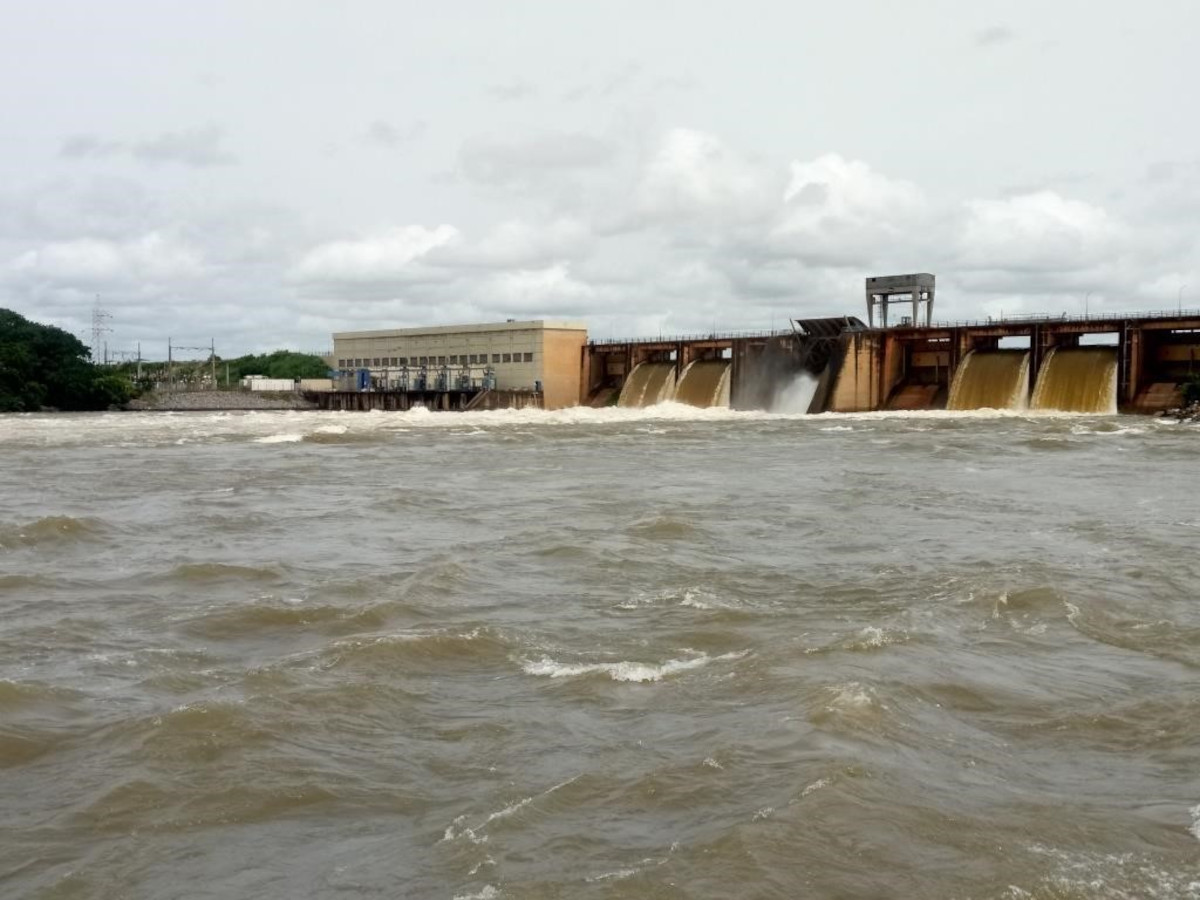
[704, 383]
[648, 384]
[1078, 379]
[991, 379]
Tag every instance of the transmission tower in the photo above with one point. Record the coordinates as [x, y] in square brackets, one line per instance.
[100, 317]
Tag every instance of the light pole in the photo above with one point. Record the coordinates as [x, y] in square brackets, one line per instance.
[1086, 298]
[1179, 310]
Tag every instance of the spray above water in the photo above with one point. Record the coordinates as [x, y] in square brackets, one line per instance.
[796, 396]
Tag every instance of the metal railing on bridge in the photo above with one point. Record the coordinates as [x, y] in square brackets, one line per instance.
[690, 338]
[1039, 318]
[1022, 319]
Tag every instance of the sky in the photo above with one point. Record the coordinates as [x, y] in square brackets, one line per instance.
[262, 173]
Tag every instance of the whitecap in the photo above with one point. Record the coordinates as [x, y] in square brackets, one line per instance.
[289, 438]
[488, 893]
[621, 671]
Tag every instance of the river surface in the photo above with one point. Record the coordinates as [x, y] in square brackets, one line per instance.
[660, 653]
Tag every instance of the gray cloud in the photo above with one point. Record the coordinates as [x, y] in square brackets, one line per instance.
[512, 91]
[498, 162]
[89, 146]
[199, 147]
[391, 136]
[994, 36]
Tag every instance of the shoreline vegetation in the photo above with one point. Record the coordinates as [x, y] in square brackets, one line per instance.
[46, 369]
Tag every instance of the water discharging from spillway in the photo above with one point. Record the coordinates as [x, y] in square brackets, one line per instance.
[991, 379]
[1078, 379]
[704, 383]
[648, 384]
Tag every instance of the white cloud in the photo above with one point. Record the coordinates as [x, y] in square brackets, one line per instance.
[544, 293]
[1040, 232]
[88, 261]
[387, 256]
[693, 174]
[518, 243]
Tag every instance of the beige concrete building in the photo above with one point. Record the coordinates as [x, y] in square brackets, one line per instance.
[518, 354]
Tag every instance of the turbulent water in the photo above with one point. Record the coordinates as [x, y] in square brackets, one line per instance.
[991, 379]
[704, 383]
[662, 653]
[1078, 379]
[648, 385]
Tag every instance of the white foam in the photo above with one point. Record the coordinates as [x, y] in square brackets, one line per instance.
[616, 875]
[286, 426]
[488, 893]
[621, 671]
[1195, 829]
[816, 786]
[850, 697]
[871, 636]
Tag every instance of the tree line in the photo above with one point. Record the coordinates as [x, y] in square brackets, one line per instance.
[42, 366]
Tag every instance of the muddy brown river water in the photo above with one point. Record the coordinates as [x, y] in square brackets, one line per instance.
[660, 653]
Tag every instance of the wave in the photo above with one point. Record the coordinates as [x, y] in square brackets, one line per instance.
[52, 530]
[21, 693]
[663, 527]
[624, 670]
[204, 572]
[249, 620]
[871, 637]
[201, 731]
[20, 582]
[438, 646]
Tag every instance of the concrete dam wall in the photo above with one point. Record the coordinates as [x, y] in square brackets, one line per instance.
[839, 365]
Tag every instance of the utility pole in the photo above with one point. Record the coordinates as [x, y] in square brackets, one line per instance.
[212, 361]
[139, 361]
[170, 368]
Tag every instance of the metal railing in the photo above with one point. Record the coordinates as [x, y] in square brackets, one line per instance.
[1022, 319]
[691, 338]
[1038, 318]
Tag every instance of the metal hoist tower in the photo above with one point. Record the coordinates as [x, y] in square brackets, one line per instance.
[884, 290]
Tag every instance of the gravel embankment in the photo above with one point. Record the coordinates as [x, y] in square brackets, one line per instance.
[182, 401]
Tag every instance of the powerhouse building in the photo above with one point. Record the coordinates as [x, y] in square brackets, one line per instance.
[513, 355]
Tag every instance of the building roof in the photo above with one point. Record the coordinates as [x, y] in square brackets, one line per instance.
[511, 325]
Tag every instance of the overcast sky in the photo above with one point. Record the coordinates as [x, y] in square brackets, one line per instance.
[266, 173]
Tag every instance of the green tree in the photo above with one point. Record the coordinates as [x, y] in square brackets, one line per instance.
[280, 364]
[41, 365]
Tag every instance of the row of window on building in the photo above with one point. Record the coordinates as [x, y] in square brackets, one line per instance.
[472, 359]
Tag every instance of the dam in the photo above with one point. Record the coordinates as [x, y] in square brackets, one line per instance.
[897, 359]
[1131, 363]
